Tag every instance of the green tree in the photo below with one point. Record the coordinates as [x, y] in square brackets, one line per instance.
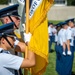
[71, 2]
[3, 1]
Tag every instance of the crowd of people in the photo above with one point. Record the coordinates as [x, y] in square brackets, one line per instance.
[63, 35]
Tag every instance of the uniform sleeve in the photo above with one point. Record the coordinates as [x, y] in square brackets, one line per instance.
[12, 61]
[63, 37]
[68, 35]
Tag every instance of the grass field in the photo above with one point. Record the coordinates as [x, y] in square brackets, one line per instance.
[50, 70]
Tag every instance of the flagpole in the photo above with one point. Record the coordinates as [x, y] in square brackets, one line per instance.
[27, 24]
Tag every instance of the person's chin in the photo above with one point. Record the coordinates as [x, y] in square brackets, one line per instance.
[16, 27]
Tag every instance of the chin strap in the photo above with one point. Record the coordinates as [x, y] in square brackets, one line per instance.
[8, 41]
[12, 21]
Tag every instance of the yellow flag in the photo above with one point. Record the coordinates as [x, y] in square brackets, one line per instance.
[39, 28]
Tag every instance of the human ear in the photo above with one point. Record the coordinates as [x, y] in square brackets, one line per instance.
[2, 40]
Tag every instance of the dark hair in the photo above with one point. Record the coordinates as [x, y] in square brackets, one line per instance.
[1, 20]
[0, 38]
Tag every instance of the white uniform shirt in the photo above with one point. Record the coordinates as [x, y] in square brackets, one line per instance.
[69, 35]
[56, 38]
[9, 63]
[54, 30]
[55, 33]
[73, 31]
[50, 31]
[61, 37]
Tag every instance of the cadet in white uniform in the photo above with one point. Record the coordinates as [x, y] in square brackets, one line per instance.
[69, 39]
[54, 31]
[58, 49]
[8, 62]
[69, 35]
[50, 36]
[63, 37]
[68, 59]
[50, 30]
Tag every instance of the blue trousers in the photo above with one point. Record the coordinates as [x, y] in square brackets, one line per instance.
[64, 63]
[52, 39]
[74, 44]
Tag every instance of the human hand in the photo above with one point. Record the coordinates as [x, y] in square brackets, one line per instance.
[27, 37]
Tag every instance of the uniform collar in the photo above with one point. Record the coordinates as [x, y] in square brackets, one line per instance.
[69, 27]
[1, 49]
[4, 51]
